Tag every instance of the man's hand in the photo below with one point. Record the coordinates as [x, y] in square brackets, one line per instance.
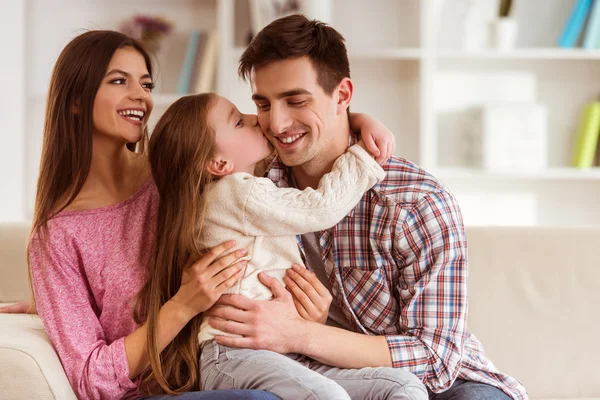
[311, 297]
[269, 325]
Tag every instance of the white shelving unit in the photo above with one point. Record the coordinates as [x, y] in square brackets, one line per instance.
[396, 61]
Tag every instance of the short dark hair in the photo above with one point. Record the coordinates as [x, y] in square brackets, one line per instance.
[296, 36]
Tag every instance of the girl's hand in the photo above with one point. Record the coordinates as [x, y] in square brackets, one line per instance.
[204, 280]
[379, 140]
[311, 297]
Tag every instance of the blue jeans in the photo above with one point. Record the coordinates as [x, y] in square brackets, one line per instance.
[220, 395]
[467, 390]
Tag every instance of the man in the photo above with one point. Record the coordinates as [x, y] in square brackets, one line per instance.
[396, 265]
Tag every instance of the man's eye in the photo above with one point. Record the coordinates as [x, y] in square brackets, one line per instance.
[262, 107]
[296, 103]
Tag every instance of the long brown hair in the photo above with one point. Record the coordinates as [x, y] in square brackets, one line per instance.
[67, 144]
[296, 36]
[180, 148]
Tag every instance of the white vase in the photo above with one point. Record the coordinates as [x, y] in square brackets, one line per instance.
[504, 33]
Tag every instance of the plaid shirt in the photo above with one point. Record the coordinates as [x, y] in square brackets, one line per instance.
[397, 265]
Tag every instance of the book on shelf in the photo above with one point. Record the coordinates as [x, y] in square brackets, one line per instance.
[200, 63]
[587, 136]
[575, 24]
[591, 38]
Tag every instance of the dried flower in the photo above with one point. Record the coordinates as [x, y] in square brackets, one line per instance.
[147, 29]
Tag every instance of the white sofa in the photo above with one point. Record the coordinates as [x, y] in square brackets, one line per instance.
[532, 294]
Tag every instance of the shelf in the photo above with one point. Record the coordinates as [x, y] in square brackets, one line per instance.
[572, 174]
[385, 54]
[401, 53]
[549, 53]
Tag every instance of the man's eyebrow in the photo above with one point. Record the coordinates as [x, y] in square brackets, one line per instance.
[127, 74]
[282, 95]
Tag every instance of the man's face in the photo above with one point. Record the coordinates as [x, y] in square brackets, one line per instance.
[293, 110]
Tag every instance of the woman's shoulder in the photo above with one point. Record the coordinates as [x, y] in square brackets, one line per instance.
[69, 227]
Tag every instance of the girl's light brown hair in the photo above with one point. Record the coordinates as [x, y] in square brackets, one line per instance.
[67, 143]
[180, 148]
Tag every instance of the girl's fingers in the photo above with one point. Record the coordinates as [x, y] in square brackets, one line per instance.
[371, 145]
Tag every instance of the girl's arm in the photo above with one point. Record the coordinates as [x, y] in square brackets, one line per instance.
[379, 139]
[266, 210]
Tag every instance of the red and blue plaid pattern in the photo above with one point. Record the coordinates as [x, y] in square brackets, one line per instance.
[397, 265]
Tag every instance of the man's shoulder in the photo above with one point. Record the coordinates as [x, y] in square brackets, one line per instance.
[406, 183]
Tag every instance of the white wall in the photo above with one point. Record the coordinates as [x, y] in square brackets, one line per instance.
[12, 110]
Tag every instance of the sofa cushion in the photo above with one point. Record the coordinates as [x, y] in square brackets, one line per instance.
[30, 368]
[533, 295]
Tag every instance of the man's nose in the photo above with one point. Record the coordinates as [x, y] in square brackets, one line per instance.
[280, 120]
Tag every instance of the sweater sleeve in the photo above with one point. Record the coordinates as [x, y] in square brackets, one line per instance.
[269, 210]
[95, 369]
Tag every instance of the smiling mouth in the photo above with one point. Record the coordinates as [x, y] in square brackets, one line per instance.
[133, 115]
[291, 139]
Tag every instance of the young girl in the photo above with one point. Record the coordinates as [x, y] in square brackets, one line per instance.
[203, 153]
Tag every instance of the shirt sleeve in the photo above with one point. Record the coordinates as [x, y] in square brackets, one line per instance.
[431, 249]
[269, 210]
[95, 369]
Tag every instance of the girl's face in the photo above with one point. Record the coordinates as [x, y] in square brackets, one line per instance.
[124, 101]
[239, 139]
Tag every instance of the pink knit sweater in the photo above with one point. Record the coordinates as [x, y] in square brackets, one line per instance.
[85, 285]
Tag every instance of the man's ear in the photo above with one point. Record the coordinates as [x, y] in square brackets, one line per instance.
[344, 95]
[220, 167]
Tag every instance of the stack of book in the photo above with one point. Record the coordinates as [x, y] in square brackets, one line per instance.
[583, 26]
[200, 63]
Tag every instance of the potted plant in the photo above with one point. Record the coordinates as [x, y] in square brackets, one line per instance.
[505, 28]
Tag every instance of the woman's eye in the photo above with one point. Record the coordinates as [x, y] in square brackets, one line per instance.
[149, 86]
[118, 81]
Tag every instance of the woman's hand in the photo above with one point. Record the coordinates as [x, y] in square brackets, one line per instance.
[204, 280]
[23, 307]
[311, 297]
[379, 140]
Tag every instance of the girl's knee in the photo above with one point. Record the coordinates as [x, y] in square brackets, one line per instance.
[400, 384]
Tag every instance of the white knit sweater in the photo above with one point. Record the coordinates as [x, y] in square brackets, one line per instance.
[264, 219]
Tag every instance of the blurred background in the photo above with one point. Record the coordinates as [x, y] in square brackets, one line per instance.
[498, 99]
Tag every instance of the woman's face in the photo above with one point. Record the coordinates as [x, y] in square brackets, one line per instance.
[239, 138]
[124, 101]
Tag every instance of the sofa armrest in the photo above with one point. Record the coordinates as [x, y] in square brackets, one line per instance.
[29, 366]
